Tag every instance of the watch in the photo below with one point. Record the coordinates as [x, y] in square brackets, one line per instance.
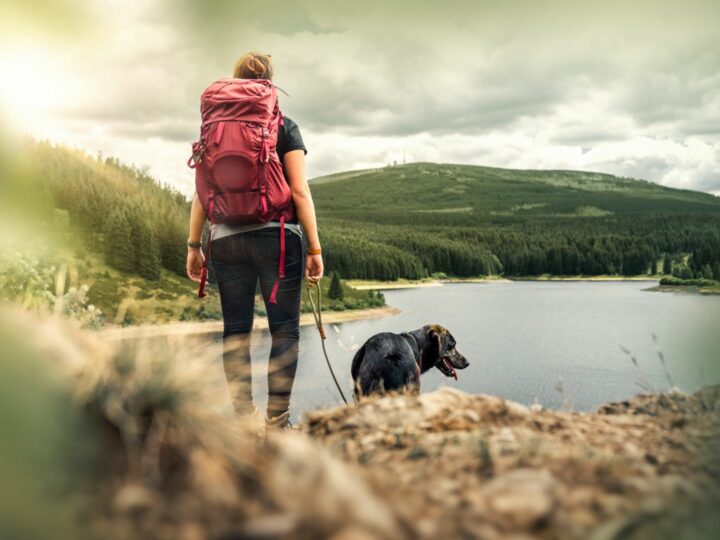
[194, 245]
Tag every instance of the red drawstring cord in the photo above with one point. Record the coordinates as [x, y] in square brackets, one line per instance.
[281, 263]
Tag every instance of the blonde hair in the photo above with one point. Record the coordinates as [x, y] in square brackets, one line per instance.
[254, 65]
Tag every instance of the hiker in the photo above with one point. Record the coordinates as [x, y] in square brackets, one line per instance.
[245, 250]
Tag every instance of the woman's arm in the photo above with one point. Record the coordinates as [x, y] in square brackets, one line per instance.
[195, 257]
[294, 162]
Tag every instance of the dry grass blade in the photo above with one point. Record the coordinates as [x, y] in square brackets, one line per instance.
[644, 382]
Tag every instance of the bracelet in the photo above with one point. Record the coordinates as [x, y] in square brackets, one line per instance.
[194, 245]
[314, 251]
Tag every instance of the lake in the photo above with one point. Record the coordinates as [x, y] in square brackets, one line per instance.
[554, 343]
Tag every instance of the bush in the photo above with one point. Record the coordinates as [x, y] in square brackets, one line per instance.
[701, 282]
[144, 294]
[682, 271]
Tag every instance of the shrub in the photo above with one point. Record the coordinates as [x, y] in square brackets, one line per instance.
[335, 291]
[701, 282]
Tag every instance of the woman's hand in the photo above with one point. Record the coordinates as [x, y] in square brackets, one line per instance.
[313, 268]
[195, 261]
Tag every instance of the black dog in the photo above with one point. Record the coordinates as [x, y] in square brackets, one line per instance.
[390, 361]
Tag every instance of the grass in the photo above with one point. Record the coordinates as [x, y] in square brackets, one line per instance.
[128, 299]
[700, 286]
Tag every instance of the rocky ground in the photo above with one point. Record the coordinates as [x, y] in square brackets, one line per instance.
[153, 455]
[457, 465]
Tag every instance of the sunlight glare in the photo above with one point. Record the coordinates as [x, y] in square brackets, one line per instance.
[28, 88]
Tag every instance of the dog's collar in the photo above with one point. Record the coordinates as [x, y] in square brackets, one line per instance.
[419, 359]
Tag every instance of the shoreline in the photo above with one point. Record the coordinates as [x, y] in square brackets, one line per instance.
[587, 278]
[211, 327]
[364, 284]
[379, 285]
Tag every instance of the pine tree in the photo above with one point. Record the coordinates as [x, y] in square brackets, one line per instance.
[119, 251]
[172, 248]
[667, 264]
[147, 250]
[335, 291]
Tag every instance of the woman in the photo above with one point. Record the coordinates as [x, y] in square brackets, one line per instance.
[243, 255]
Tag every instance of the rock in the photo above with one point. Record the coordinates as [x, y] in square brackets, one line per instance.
[536, 408]
[309, 484]
[192, 531]
[211, 479]
[505, 441]
[354, 533]
[269, 526]
[134, 498]
[521, 498]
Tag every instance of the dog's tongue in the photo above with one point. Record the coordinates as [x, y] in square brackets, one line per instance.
[452, 369]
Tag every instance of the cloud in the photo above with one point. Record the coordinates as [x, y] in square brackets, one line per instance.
[632, 89]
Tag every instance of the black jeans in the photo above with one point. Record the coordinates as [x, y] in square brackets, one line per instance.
[239, 261]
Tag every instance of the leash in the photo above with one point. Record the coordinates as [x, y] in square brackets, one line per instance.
[317, 313]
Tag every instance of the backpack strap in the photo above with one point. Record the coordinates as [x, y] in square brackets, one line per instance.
[204, 271]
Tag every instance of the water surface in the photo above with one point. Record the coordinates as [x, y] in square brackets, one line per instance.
[555, 343]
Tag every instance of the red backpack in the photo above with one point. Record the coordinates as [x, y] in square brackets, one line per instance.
[238, 175]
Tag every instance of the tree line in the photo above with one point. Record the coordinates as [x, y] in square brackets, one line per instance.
[140, 227]
[628, 246]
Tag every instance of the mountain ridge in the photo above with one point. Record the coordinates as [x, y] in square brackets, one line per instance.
[584, 174]
[492, 191]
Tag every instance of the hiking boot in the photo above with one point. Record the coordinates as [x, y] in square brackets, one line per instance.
[281, 421]
[250, 419]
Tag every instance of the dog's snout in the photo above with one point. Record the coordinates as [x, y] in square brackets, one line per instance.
[457, 360]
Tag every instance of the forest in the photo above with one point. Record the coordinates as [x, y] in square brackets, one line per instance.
[412, 221]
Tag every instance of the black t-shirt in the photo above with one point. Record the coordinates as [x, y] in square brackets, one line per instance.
[289, 138]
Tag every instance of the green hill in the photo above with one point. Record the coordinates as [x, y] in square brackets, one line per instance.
[106, 239]
[416, 219]
[113, 235]
[475, 194]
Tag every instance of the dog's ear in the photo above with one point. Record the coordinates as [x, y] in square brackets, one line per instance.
[439, 339]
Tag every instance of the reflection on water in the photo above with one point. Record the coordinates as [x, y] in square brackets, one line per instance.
[524, 338]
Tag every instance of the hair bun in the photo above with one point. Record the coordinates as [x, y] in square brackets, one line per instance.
[253, 65]
[258, 67]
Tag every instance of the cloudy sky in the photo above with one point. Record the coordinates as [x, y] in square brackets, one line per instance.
[630, 88]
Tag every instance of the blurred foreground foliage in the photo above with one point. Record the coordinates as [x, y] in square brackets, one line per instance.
[92, 239]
